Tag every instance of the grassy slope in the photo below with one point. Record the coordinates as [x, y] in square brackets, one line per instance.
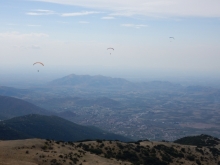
[47, 152]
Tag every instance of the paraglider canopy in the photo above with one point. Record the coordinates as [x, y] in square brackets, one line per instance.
[39, 63]
[110, 49]
[171, 39]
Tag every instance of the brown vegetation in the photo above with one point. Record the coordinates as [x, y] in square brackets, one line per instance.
[49, 152]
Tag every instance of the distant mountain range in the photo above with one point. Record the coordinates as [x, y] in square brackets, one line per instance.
[103, 81]
[9, 91]
[51, 127]
[88, 83]
[82, 81]
[13, 107]
[86, 79]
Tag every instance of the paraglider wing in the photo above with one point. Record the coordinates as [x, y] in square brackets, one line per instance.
[110, 48]
[39, 63]
[172, 38]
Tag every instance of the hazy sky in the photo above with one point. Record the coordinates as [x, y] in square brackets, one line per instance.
[73, 36]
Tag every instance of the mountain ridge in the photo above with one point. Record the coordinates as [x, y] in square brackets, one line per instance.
[90, 81]
[13, 107]
[53, 127]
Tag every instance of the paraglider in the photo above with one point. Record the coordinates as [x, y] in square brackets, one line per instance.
[40, 63]
[110, 49]
[171, 39]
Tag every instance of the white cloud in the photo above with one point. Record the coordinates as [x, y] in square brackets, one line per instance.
[40, 12]
[79, 13]
[108, 17]
[134, 26]
[155, 8]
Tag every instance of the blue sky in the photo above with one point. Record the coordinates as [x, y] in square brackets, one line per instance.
[72, 36]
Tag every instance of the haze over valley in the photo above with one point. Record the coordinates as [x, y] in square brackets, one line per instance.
[154, 110]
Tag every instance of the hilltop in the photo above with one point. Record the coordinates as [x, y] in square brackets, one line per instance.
[100, 152]
[104, 83]
[21, 119]
[13, 107]
[201, 140]
[90, 81]
[51, 127]
[9, 91]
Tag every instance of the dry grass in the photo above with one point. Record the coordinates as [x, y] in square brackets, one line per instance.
[46, 152]
[30, 152]
[208, 158]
